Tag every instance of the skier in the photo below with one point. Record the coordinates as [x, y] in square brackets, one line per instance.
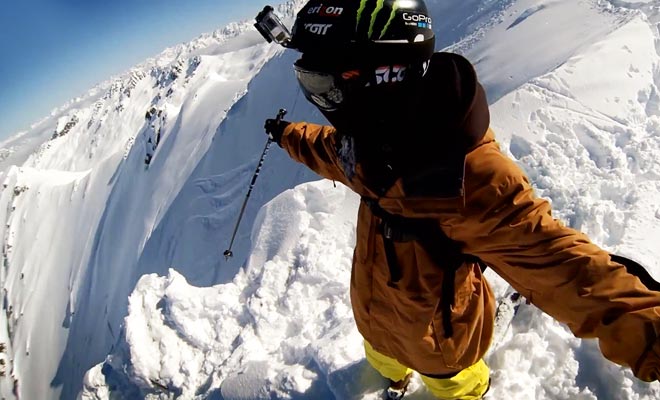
[410, 134]
[149, 148]
[158, 126]
[151, 142]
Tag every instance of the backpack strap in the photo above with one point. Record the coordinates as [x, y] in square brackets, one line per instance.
[443, 251]
[394, 228]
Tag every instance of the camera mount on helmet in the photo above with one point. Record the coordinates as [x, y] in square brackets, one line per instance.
[272, 28]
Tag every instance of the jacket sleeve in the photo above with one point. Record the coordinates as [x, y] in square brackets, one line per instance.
[557, 268]
[314, 146]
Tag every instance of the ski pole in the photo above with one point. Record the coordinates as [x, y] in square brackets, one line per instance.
[228, 253]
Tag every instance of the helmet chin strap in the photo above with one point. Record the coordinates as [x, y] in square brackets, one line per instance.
[380, 120]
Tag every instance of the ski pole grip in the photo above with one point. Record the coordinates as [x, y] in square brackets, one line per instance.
[280, 114]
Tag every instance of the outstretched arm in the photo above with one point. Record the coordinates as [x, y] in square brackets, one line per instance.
[557, 268]
[315, 146]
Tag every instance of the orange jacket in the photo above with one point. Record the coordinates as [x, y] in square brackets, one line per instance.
[497, 218]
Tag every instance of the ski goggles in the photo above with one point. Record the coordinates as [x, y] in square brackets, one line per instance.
[325, 90]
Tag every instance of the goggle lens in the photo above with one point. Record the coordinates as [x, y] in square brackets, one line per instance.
[315, 82]
[320, 88]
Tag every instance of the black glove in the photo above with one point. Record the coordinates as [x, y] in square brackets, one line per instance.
[274, 128]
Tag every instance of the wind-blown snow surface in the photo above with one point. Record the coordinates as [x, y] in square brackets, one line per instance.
[87, 224]
[82, 213]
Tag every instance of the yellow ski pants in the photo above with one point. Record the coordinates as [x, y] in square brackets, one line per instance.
[469, 384]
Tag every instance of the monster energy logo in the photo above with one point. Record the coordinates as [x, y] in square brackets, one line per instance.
[374, 16]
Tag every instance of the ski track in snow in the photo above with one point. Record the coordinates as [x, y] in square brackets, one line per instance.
[526, 14]
[275, 321]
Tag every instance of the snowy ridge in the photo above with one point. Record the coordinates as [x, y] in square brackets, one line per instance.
[536, 37]
[15, 149]
[83, 201]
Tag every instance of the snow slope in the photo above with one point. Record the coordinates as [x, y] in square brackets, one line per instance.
[593, 158]
[81, 207]
[87, 224]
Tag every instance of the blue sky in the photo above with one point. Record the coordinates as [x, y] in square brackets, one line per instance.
[54, 50]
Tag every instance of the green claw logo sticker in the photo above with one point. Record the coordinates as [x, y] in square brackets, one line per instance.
[363, 4]
[395, 7]
[419, 19]
[374, 16]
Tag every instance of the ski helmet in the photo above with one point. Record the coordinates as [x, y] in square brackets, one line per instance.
[343, 40]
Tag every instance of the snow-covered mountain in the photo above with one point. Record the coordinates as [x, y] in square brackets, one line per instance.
[574, 88]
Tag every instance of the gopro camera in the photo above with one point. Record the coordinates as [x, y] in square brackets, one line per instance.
[271, 28]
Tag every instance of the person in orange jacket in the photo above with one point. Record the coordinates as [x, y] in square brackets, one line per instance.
[410, 134]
